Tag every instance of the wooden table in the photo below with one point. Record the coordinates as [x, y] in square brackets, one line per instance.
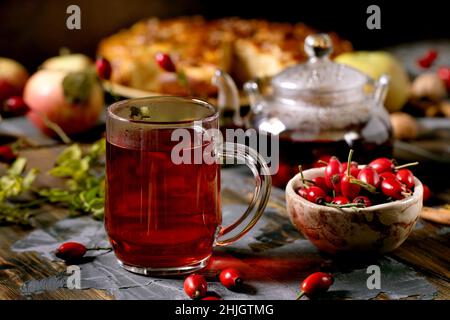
[427, 250]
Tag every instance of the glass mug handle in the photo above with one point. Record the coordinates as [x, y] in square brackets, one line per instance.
[261, 195]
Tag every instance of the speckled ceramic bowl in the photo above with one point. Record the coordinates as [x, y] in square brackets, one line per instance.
[377, 229]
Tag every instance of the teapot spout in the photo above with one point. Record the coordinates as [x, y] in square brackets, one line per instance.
[228, 95]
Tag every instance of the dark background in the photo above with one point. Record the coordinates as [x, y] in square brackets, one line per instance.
[31, 31]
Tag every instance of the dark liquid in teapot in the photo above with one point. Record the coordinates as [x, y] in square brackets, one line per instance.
[295, 151]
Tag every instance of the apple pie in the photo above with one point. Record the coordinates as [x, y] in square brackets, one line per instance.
[245, 49]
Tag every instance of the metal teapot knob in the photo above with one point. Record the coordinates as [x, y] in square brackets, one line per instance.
[318, 46]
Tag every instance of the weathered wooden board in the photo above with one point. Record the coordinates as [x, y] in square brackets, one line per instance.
[16, 269]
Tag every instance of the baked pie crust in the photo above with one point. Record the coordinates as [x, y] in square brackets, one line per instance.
[244, 48]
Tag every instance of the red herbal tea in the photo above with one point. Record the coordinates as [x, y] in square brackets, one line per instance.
[159, 213]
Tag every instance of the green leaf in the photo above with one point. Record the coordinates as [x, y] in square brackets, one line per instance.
[99, 213]
[85, 184]
[97, 149]
[77, 86]
[182, 79]
[10, 186]
[11, 214]
[71, 168]
[71, 153]
[17, 167]
[91, 194]
[29, 178]
[56, 195]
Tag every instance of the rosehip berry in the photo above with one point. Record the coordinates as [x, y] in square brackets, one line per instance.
[303, 192]
[386, 175]
[7, 154]
[381, 165]
[283, 174]
[320, 182]
[165, 62]
[406, 177]
[393, 188]
[71, 251]
[354, 171]
[315, 284]
[348, 188]
[230, 278]
[364, 200]
[427, 60]
[426, 193]
[444, 75]
[7, 90]
[16, 106]
[316, 195]
[340, 200]
[322, 161]
[333, 171]
[369, 176]
[103, 67]
[74, 251]
[195, 286]
[337, 186]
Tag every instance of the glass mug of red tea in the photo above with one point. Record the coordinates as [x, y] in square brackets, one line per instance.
[164, 217]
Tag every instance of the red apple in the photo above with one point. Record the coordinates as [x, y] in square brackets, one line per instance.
[13, 77]
[73, 100]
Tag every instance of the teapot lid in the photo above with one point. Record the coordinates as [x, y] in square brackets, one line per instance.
[319, 75]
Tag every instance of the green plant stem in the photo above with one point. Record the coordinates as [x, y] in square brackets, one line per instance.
[349, 161]
[347, 205]
[99, 248]
[53, 126]
[300, 169]
[406, 165]
[300, 295]
[366, 186]
[304, 181]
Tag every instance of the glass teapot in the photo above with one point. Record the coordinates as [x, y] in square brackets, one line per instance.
[317, 109]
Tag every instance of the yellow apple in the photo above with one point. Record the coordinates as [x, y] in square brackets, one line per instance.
[69, 62]
[377, 63]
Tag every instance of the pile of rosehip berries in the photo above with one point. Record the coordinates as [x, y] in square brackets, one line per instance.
[345, 185]
[196, 287]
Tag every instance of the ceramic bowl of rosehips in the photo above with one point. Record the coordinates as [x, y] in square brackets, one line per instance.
[355, 208]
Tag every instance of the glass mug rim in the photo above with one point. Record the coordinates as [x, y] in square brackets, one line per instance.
[114, 107]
